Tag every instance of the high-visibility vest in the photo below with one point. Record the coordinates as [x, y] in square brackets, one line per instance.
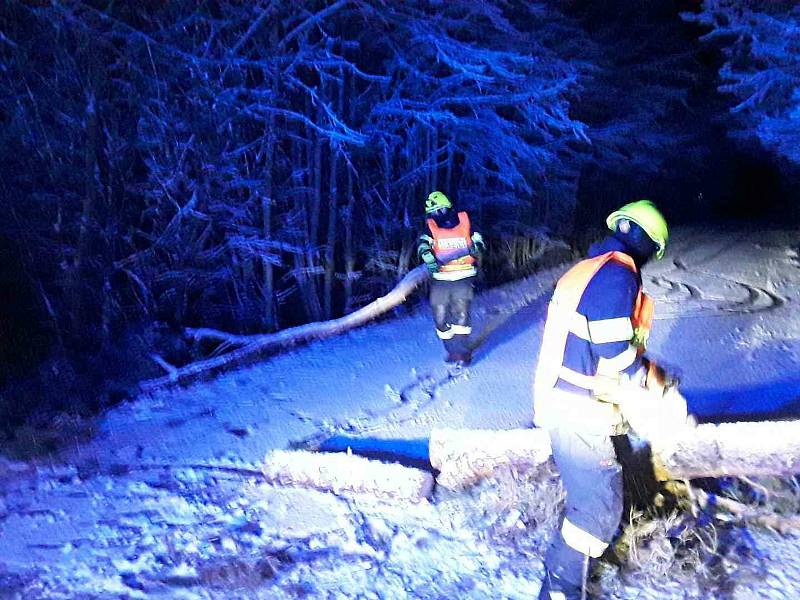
[562, 316]
[456, 241]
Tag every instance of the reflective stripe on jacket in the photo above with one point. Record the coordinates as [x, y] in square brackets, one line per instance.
[455, 242]
[585, 349]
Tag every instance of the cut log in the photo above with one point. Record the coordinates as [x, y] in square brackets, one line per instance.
[346, 474]
[735, 449]
[253, 347]
[464, 456]
[768, 448]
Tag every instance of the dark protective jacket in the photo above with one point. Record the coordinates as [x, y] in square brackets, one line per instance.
[597, 326]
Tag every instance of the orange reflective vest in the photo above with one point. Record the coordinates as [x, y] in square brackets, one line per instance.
[562, 316]
[455, 242]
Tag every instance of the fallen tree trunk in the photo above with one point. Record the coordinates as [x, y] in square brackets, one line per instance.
[252, 347]
[462, 457]
[346, 473]
[730, 449]
[735, 449]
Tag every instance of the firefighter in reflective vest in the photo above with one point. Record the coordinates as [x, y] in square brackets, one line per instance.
[450, 251]
[591, 369]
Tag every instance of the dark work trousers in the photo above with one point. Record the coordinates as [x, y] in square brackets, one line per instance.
[592, 480]
[450, 303]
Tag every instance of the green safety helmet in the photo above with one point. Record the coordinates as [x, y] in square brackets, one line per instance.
[435, 201]
[645, 214]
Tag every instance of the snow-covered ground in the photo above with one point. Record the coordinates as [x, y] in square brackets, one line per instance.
[164, 498]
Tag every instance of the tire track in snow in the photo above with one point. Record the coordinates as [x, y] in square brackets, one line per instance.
[756, 299]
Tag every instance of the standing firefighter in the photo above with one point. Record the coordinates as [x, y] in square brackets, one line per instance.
[592, 380]
[450, 253]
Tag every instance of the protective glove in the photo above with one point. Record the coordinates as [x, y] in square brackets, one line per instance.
[673, 420]
[658, 379]
[430, 262]
[657, 413]
[478, 245]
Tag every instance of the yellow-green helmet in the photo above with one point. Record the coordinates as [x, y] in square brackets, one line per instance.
[645, 214]
[435, 201]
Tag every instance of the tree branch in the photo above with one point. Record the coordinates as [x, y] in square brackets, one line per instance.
[258, 345]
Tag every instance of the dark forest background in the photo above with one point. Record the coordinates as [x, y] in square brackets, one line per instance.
[251, 166]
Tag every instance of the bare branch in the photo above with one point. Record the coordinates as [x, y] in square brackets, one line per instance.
[256, 346]
[315, 18]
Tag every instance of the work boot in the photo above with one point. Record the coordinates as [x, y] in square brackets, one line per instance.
[555, 589]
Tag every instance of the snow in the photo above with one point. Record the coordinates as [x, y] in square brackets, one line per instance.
[166, 499]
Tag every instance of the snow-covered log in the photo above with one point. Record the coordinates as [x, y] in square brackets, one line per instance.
[734, 449]
[463, 456]
[255, 346]
[346, 473]
[730, 449]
